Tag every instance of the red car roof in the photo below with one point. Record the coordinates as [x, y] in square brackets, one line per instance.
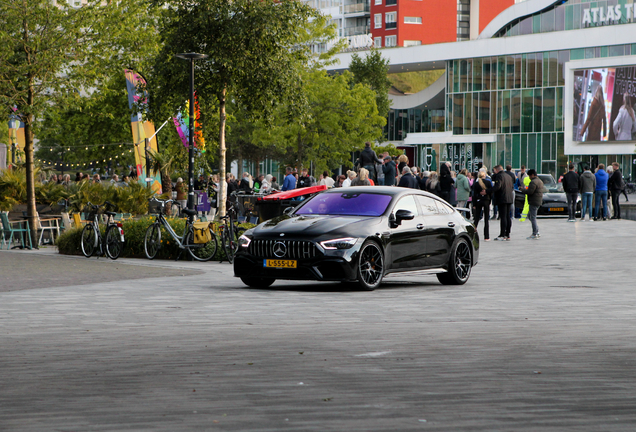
[294, 193]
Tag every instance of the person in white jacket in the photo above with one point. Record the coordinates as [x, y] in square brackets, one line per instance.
[625, 123]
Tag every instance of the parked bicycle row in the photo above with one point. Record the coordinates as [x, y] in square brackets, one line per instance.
[200, 239]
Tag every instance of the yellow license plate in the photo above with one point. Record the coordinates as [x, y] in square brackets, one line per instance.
[279, 263]
[557, 209]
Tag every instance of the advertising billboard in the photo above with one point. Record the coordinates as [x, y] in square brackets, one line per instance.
[603, 105]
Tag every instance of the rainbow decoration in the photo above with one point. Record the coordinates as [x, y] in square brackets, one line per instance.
[182, 123]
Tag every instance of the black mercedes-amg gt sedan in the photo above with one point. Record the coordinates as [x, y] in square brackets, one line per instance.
[360, 234]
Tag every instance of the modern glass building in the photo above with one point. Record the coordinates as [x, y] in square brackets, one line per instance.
[521, 93]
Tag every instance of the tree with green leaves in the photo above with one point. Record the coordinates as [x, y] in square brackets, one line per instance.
[257, 51]
[339, 117]
[372, 70]
[51, 50]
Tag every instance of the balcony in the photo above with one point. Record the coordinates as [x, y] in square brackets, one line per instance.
[355, 8]
[359, 30]
[390, 25]
[391, 2]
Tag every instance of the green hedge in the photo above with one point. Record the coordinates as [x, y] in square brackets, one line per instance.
[68, 243]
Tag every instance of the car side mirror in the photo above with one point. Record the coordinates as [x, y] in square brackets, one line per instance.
[402, 215]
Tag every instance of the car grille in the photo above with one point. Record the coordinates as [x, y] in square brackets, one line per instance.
[294, 249]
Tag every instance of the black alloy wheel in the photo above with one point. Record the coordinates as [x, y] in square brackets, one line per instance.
[459, 265]
[370, 266]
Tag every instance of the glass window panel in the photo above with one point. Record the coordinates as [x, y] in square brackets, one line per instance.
[616, 50]
[469, 74]
[508, 154]
[476, 112]
[548, 167]
[391, 125]
[477, 74]
[501, 73]
[553, 147]
[527, 111]
[517, 71]
[418, 120]
[532, 151]
[510, 72]
[484, 113]
[524, 151]
[604, 51]
[562, 158]
[545, 153]
[493, 112]
[449, 77]
[525, 26]
[516, 151]
[569, 17]
[456, 76]
[547, 21]
[501, 150]
[463, 79]
[576, 19]
[559, 18]
[549, 96]
[546, 68]
[505, 112]
[486, 73]
[458, 114]
[536, 24]
[524, 70]
[537, 162]
[554, 66]
[597, 52]
[577, 54]
[589, 53]
[515, 115]
[409, 127]
[633, 47]
[449, 113]
[538, 105]
[530, 74]
[539, 70]
[564, 57]
[468, 105]
[559, 109]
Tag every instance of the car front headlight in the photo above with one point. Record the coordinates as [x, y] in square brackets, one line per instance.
[244, 241]
[341, 243]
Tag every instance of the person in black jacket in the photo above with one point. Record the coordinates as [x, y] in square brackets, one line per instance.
[389, 170]
[446, 182]
[570, 184]
[368, 159]
[408, 180]
[615, 186]
[505, 193]
[481, 202]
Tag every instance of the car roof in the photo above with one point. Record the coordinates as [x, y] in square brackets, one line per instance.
[383, 190]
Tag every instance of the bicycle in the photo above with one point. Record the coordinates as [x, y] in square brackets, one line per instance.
[92, 239]
[198, 251]
[230, 232]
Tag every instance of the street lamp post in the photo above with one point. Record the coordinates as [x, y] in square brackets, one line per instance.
[192, 57]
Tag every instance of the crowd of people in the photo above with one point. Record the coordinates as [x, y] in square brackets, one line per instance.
[65, 179]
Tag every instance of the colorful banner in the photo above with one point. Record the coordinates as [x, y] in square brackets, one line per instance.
[141, 129]
[182, 123]
[16, 138]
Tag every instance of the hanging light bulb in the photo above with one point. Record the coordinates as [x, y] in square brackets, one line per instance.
[86, 148]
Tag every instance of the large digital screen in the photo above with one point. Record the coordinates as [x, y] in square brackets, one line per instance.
[603, 109]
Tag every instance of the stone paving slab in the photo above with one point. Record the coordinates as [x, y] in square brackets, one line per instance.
[542, 337]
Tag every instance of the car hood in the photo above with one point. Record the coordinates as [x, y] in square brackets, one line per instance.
[555, 197]
[314, 226]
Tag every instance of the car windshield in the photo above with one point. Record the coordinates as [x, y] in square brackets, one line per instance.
[550, 184]
[347, 204]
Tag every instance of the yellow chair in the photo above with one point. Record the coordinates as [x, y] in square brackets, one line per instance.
[77, 220]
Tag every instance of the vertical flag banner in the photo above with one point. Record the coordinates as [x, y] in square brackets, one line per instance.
[16, 138]
[182, 123]
[141, 129]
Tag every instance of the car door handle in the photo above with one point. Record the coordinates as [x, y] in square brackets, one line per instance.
[451, 224]
[420, 226]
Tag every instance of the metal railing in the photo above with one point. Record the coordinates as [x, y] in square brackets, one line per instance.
[358, 30]
[355, 8]
[390, 25]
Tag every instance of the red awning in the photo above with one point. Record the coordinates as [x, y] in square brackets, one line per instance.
[294, 193]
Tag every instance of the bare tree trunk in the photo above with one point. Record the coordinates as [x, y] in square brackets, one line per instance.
[223, 189]
[30, 173]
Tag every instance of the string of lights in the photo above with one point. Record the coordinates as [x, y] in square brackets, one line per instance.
[82, 164]
[84, 146]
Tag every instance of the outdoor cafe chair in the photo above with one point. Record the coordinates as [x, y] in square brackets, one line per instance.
[9, 230]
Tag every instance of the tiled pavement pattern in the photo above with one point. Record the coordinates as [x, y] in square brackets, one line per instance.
[542, 338]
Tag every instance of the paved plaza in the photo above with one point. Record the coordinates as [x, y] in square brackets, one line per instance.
[541, 338]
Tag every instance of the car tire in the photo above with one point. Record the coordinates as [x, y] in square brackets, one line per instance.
[255, 282]
[459, 265]
[370, 266]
